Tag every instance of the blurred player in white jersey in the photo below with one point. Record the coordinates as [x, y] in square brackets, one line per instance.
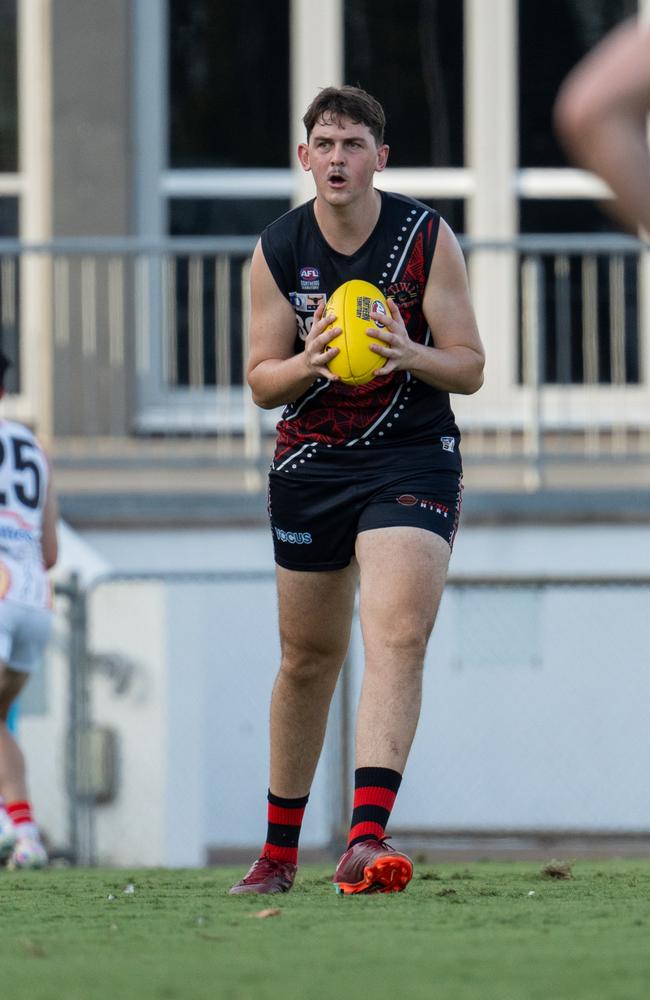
[28, 548]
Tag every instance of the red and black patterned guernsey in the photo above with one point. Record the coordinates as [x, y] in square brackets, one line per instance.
[394, 410]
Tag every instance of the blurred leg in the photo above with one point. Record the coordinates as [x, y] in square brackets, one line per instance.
[28, 851]
[13, 785]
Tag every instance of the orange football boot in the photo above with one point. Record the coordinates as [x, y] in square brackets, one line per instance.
[372, 866]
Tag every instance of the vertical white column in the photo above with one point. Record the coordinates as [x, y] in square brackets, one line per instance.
[491, 47]
[35, 403]
[150, 135]
[316, 62]
[150, 88]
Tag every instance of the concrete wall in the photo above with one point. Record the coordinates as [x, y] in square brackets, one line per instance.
[91, 196]
[91, 107]
[192, 725]
[534, 711]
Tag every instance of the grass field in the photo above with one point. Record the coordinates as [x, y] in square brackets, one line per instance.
[493, 931]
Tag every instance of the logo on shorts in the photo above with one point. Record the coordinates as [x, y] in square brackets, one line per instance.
[293, 537]
[408, 500]
[309, 278]
[448, 443]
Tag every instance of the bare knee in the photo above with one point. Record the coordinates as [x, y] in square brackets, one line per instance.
[404, 643]
[307, 663]
[11, 684]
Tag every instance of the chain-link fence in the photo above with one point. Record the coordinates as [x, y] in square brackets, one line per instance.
[52, 717]
[151, 744]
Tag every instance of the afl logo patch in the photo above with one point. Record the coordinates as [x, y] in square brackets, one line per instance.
[407, 500]
[309, 278]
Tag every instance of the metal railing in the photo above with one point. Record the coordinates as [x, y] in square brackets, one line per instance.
[151, 338]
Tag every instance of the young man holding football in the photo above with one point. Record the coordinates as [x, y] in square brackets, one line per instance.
[351, 467]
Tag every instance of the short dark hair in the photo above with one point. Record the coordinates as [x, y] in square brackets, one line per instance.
[347, 102]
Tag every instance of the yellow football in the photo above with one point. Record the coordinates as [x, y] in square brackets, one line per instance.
[351, 304]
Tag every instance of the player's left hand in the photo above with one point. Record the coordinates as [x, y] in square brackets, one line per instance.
[396, 344]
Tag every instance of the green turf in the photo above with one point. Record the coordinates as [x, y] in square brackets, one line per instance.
[458, 933]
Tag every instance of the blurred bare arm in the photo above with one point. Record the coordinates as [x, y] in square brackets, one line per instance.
[600, 116]
[49, 541]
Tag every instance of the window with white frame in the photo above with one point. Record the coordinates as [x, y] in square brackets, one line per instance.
[553, 36]
[414, 65]
[8, 88]
[227, 113]
[228, 109]
[587, 299]
[9, 183]
[468, 89]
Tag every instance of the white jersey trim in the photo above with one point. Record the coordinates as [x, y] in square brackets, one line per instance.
[400, 262]
[295, 455]
[379, 419]
[306, 400]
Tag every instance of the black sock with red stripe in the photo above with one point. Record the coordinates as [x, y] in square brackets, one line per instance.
[283, 832]
[375, 789]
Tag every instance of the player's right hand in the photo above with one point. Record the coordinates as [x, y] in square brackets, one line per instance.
[317, 353]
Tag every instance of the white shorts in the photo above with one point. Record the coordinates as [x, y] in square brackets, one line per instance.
[24, 632]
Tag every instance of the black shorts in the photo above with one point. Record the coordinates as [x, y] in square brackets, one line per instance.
[320, 502]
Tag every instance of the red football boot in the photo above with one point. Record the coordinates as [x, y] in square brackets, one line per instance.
[266, 875]
[372, 866]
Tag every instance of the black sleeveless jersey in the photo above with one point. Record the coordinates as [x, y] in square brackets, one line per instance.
[396, 409]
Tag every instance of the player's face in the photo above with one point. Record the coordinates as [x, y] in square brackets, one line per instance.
[343, 157]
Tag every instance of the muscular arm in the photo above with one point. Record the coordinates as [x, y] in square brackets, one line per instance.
[600, 116]
[455, 361]
[275, 374]
[49, 542]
